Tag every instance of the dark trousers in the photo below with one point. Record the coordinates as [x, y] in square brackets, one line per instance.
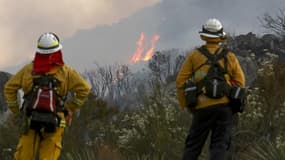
[215, 119]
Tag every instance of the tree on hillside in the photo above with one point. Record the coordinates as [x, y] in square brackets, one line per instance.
[116, 82]
[276, 23]
[110, 82]
[165, 65]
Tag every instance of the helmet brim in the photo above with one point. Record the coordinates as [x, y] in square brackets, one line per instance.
[49, 51]
[212, 35]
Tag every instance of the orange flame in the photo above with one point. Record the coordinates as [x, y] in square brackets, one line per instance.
[138, 53]
[149, 53]
[137, 56]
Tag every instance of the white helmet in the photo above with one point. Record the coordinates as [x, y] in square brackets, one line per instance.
[212, 28]
[48, 43]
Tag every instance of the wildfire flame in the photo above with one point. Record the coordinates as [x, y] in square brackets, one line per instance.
[138, 54]
[149, 53]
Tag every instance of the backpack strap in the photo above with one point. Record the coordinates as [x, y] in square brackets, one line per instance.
[214, 58]
[211, 57]
[223, 55]
[201, 49]
[46, 80]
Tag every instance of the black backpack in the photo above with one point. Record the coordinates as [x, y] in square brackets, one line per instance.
[214, 84]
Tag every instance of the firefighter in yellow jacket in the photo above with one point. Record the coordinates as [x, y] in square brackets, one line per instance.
[45, 122]
[210, 103]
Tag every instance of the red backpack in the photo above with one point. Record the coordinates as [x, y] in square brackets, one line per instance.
[44, 97]
[42, 103]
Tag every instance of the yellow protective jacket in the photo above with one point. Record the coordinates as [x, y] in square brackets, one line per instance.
[193, 61]
[70, 81]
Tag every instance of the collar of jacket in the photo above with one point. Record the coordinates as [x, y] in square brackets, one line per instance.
[54, 69]
[212, 45]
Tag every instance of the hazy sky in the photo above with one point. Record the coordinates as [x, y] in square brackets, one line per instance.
[106, 31]
[24, 20]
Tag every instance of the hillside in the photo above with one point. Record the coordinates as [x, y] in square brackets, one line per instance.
[4, 76]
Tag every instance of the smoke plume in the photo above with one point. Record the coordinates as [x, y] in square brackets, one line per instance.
[23, 21]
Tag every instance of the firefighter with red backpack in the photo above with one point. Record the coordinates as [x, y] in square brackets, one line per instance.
[211, 85]
[46, 83]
